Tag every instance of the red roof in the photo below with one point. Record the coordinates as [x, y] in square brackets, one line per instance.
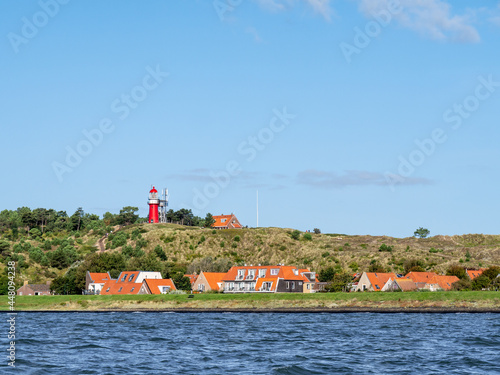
[113, 287]
[226, 221]
[283, 272]
[212, 278]
[99, 277]
[474, 273]
[155, 286]
[192, 278]
[420, 277]
[153, 190]
[128, 276]
[379, 279]
[444, 282]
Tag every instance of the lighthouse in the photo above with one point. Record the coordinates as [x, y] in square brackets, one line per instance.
[158, 206]
[154, 203]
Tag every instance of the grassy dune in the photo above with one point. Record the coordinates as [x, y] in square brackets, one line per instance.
[351, 253]
[407, 301]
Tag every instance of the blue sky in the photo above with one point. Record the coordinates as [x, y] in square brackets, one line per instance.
[352, 116]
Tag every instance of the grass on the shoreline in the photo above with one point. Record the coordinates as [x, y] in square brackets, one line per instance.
[478, 299]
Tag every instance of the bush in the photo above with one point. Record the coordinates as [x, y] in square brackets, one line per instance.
[295, 235]
[237, 239]
[457, 271]
[411, 265]
[316, 231]
[385, 247]
[160, 253]
[462, 284]
[307, 237]
[481, 282]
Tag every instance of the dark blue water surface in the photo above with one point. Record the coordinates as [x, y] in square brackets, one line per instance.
[269, 343]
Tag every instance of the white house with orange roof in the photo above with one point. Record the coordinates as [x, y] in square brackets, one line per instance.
[270, 279]
[129, 282]
[226, 222]
[208, 281]
[94, 281]
[374, 281]
[157, 286]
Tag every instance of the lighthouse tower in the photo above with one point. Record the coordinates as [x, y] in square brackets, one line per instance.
[153, 202]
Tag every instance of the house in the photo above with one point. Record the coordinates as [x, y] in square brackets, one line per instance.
[226, 222]
[374, 281]
[94, 281]
[270, 279]
[420, 277]
[439, 282]
[34, 289]
[157, 286]
[129, 282]
[474, 273]
[403, 285]
[208, 281]
[192, 278]
[310, 280]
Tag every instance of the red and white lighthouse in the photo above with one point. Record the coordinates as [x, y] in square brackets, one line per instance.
[154, 203]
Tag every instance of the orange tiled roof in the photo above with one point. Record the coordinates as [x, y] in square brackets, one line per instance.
[444, 282]
[113, 287]
[284, 272]
[474, 273]
[213, 278]
[379, 279]
[260, 281]
[128, 275]
[154, 285]
[420, 277]
[223, 221]
[192, 278]
[99, 277]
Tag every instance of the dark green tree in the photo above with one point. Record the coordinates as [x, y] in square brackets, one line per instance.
[209, 220]
[421, 232]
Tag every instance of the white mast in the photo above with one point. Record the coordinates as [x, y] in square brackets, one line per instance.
[257, 208]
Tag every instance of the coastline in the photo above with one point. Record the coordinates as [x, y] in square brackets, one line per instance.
[344, 310]
[418, 302]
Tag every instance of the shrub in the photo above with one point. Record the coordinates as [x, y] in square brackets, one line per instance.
[354, 266]
[481, 282]
[457, 271]
[237, 239]
[316, 231]
[385, 247]
[307, 236]
[160, 253]
[326, 254]
[295, 235]
[413, 264]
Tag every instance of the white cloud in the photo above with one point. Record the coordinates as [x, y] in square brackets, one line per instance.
[319, 6]
[432, 18]
[328, 180]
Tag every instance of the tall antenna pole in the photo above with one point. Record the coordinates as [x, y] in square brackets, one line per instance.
[257, 208]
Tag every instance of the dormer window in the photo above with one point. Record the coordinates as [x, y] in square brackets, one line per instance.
[274, 271]
[223, 220]
[124, 277]
[262, 272]
[131, 278]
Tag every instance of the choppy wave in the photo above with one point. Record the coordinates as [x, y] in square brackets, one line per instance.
[281, 344]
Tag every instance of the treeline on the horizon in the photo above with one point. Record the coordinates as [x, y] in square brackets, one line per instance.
[35, 223]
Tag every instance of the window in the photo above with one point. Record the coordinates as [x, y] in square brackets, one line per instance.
[201, 287]
[223, 220]
[131, 290]
[165, 289]
[241, 274]
[296, 272]
[376, 286]
[119, 290]
[288, 284]
[262, 272]
[107, 290]
[308, 286]
[251, 274]
[274, 271]
[293, 284]
[124, 277]
[131, 278]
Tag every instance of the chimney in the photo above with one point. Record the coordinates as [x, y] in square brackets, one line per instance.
[26, 282]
